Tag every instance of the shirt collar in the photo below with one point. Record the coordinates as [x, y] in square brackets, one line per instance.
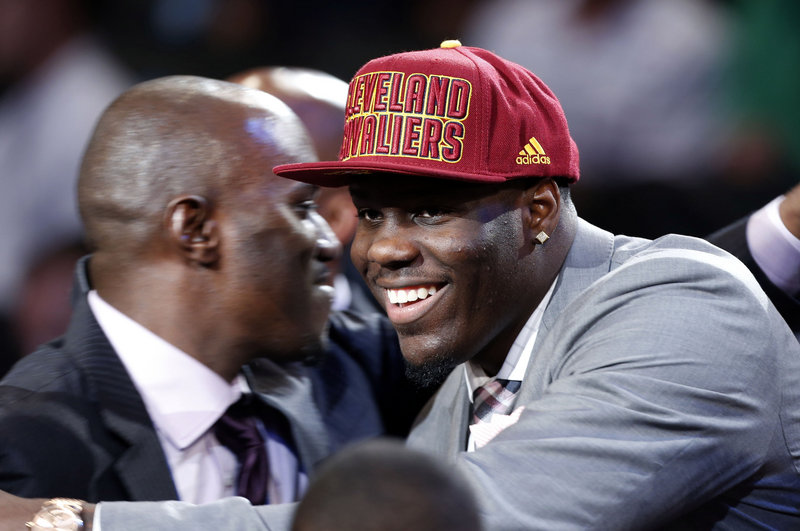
[183, 408]
[519, 355]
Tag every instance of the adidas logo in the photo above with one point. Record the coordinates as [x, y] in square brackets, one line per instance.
[532, 153]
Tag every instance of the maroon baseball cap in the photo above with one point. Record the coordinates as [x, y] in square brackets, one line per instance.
[454, 112]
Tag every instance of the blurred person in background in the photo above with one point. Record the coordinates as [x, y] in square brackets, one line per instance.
[762, 92]
[641, 83]
[764, 110]
[43, 306]
[56, 77]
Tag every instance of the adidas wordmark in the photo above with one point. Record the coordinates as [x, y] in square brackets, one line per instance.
[532, 153]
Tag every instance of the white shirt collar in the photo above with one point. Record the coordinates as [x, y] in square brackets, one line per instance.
[516, 362]
[183, 408]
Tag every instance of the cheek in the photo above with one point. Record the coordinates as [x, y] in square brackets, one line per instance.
[358, 250]
[503, 242]
[276, 261]
[495, 248]
[486, 270]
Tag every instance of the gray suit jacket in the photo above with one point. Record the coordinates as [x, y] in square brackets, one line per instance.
[664, 391]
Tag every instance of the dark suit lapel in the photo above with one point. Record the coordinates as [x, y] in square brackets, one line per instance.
[140, 464]
[290, 392]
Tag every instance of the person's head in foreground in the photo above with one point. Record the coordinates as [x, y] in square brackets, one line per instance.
[193, 235]
[380, 485]
[460, 180]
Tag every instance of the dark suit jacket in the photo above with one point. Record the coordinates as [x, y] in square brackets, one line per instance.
[72, 423]
[733, 239]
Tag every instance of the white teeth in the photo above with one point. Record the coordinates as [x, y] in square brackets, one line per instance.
[401, 296]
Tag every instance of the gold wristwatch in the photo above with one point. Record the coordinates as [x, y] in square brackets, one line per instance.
[58, 514]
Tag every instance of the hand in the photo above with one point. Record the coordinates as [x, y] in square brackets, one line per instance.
[14, 511]
[790, 211]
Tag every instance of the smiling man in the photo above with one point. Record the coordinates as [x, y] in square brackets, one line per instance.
[595, 381]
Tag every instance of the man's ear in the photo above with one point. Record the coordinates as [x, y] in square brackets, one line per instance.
[191, 229]
[543, 200]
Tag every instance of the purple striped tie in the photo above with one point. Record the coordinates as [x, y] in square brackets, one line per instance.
[238, 430]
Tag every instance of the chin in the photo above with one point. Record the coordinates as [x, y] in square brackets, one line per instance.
[431, 371]
[429, 374]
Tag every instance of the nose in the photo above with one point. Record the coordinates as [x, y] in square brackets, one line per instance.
[327, 246]
[392, 248]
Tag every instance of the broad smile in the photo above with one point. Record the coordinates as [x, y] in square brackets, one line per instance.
[406, 295]
[409, 303]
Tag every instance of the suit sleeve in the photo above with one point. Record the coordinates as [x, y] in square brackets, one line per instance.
[228, 514]
[659, 389]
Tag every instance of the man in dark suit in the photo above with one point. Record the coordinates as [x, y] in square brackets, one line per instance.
[207, 283]
[768, 242]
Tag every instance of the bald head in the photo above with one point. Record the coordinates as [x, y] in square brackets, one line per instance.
[195, 238]
[381, 484]
[172, 136]
[316, 97]
[319, 99]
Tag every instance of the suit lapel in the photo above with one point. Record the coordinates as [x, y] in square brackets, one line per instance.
[139, 462]
[448, 407]
[289, 390]
[589, 259]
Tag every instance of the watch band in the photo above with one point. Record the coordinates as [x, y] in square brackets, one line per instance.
[58, 514]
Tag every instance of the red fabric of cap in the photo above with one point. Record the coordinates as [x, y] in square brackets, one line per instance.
[457, 112]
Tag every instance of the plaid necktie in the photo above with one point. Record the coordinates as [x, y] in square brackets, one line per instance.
[496, 396]
[238, 430]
